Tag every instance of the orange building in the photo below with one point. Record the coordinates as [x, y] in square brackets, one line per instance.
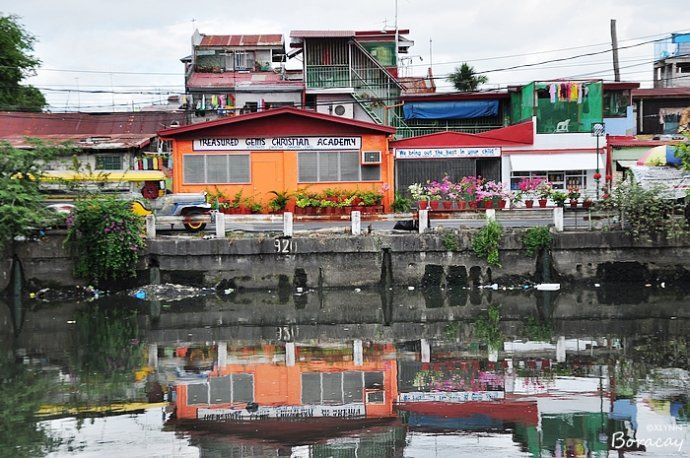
[283, 149]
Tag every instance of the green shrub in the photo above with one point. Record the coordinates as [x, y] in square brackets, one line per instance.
[107, 238]
[486, 243]
[450, 241]
[487, 328]
[535, 239]
[401, 204]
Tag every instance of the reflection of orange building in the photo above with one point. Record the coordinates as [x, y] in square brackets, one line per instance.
[325, 388]
[282, 149]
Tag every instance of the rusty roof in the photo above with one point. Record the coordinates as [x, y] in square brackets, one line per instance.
[273, 39]
[17, 124]
[347, 33]
[96, 142]
[662, 92]
[229, 80]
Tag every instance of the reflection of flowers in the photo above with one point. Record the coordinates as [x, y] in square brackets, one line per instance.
[458, 380]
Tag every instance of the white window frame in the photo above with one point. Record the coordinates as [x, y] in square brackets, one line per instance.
[339, 180]
[206, 182]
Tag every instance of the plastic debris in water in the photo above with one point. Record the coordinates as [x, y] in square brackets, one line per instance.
[358, 290]
[549, 287]
[140, 294]
[411, 288]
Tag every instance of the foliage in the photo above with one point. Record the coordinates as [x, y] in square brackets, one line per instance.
[535, 239]
[23, 391]
[107, 236]
[559, 197]
[17, 63]
[280, 201]
[544, 189]
[574, 193]
[22, 210]
[683, 153]
[536, 330]
[401, 204]
[215, 198]
[646, 213]
[486, 242]
[465, 79]
[488, 327]
[450, 241]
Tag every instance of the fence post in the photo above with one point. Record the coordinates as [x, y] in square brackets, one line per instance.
[287, 224]
[220, 225]
[423, 220]
[289, 354]
[558, 218]
[356, 222]
[425, 350]
[357, 352]
[151, 226]
[490, 214]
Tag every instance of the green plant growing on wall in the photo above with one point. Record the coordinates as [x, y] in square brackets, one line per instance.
[487, 327]
[486, 242]
[683, 153]
[401, 204]
[450, 241]
[279, 202]
[535, 239]
[107, 238]
[537, 330]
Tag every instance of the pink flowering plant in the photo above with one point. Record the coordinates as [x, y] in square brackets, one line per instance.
[544, 189]
[107, 237]
[434, 190]
[468, 188]
[528, 187]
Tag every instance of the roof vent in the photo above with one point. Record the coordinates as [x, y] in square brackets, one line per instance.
[175, 124]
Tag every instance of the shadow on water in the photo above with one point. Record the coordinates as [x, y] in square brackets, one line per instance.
[376, 372]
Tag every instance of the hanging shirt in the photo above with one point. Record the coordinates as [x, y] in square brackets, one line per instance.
[579, 92]
[552, 92]
[214, 101]
[573, 92]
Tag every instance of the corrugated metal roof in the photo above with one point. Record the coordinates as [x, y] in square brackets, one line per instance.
[86, 124]
[274, 39]
[229, 80]
[103, 142]
[662, 92]
[322, 33]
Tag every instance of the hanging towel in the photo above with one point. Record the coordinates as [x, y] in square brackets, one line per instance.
[563, 93]
[573, 92]
[221, 100]
[214, 101]
[203, 101]
[552, 92]
[579, 93]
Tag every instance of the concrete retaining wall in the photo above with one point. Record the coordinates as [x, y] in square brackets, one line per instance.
[343, 261]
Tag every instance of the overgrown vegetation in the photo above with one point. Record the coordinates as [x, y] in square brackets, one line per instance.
[401, 204]
[107, 237]
[450, 241]
[537, 330]
[646, 213]
[22, 211]
[683, 153]
[486, 242]
[535, 239]
[487, 327]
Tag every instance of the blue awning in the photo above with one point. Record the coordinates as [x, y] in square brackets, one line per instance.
[451, 110]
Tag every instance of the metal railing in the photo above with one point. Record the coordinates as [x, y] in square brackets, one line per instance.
[413, 131]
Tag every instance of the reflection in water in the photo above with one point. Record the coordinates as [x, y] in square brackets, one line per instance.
[531, 377]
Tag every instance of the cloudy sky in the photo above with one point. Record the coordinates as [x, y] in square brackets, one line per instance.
[131, 46]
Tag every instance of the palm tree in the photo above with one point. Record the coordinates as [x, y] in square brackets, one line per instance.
[465, 79]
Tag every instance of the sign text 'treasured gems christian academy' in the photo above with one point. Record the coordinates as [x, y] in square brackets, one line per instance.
[277, 143]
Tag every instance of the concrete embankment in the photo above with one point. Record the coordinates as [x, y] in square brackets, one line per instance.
[345, 261]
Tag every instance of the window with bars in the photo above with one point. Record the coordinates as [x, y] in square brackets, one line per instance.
[318, 166]
[337, 388]
[222, 390]
[560, 179]
[109, 162]
[216, 168]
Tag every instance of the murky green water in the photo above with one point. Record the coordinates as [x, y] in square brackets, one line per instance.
[601, 372]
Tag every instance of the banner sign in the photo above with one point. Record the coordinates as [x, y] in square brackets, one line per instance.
[277, 143]
[354, 410]
[446, 153]
[450, 396]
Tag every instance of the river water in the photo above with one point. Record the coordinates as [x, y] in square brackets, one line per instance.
[350, 373]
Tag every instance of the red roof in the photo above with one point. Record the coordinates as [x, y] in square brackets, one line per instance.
[446, 96]
[613, 85]
[229, 80]
[278, 113]
[347, 33]
[662, 92]
[16, 124]
[518, 134]
[274, 39]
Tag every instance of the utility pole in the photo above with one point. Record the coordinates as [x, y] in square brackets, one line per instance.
[431, 56]
[614, 48]
[396, 36]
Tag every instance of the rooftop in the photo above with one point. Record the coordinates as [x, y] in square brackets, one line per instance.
[213, 41]
[662, 92]
[236, 80]
[515, 135]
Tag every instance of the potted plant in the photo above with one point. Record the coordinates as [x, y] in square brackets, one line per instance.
[418, 193]
[255, 207]
[573, 195]
[544, 190]
[446, 188]
[279, 202]
[587, 202]
[528, 189]
[433, 190]
[558, 198]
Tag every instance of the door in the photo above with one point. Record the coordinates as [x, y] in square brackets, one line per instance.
[267, 175]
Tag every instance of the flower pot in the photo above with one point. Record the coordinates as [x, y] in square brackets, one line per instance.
[573, 203]
[447, 204]
[488, 203]
[586, 203]
[434, 204]
[529, 203]
[542, 203]
[502, 204]
[462, 204]
[309, 210]
[356, 201]
[474, 204]
[423, 204]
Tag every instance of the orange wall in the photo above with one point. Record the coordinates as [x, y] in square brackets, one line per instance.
[277, 171]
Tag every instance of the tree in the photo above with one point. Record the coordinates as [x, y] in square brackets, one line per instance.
[21, 205]
[17, 63]
[465, 79]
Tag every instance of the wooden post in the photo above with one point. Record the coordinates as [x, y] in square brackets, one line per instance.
[490, 214]
[558, 218]
[151, 226]
[220, 225]
[287, 224]
[356, 222]
[423, 220]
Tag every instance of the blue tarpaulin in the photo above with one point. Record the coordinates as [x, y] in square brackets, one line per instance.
[451, 110]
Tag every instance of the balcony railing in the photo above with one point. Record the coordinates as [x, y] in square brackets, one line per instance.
[328, 76]
[410, 131]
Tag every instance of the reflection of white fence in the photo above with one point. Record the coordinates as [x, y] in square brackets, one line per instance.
[450, 396]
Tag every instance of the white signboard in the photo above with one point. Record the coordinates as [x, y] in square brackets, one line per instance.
[354, 410]
[276, 143]
[450, 396]
[446, 153]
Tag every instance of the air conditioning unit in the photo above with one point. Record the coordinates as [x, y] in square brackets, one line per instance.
[343, 110]
[371, 157]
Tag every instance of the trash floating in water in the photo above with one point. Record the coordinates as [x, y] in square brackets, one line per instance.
[358, 290]
[228, 291]
[169, 292]
[71, 322]
[140, 295]
[597, 285]
[549, 287]
[647, 285]
[663, 284]
[410, 288]
[300, 289]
